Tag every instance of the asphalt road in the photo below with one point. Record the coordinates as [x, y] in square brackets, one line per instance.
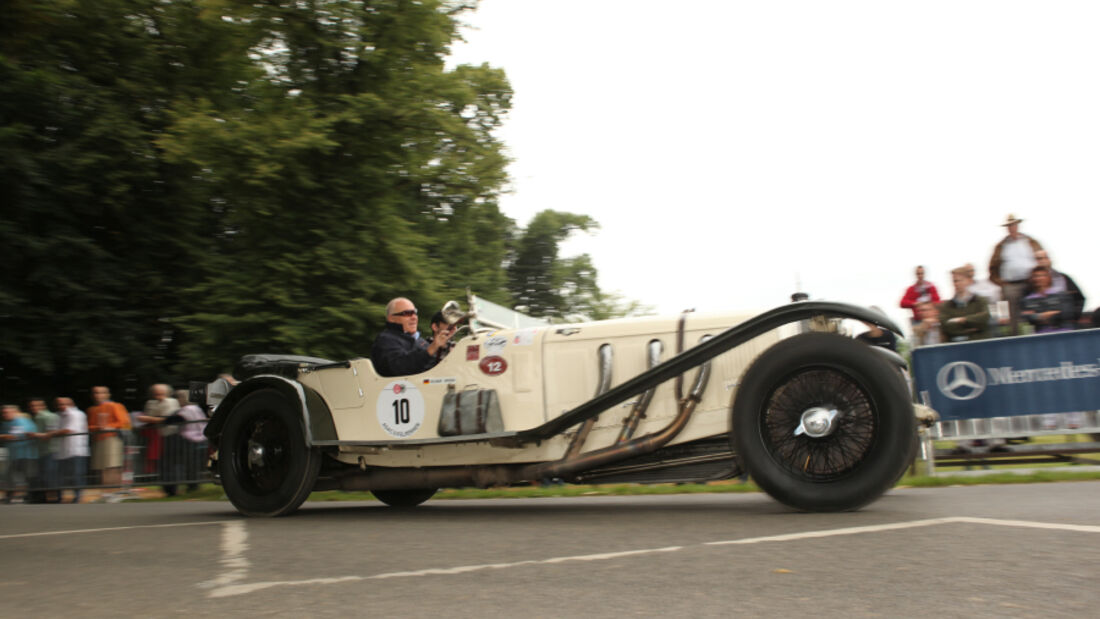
[983, 551]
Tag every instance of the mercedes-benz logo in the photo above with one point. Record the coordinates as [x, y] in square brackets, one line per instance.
[961, 380]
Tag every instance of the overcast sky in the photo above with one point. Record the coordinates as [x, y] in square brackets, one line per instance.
[733, 150]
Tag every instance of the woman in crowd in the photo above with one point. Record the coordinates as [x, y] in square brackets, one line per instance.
[1046, 307]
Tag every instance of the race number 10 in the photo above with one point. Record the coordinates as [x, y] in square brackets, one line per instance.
[400, 409]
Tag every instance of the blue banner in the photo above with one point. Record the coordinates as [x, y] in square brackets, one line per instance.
[1049, 373]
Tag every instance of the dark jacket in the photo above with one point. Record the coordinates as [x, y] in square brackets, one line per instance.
[396, 353]
[1035, 304]
[1076, 297]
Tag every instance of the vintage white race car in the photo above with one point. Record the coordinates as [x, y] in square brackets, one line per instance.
[821, 422]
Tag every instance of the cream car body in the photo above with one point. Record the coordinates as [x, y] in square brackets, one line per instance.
[546, 371]
[820, 421]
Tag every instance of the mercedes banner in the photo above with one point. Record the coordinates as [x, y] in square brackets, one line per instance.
[1049, 373]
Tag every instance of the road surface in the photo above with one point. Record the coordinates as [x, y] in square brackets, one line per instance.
[980, 551]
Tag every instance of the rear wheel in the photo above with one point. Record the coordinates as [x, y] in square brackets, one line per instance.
[404, 498]
[266, 467]
[821, 423]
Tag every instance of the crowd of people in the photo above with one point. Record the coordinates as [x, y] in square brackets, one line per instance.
[1024, 294]
[64, 450]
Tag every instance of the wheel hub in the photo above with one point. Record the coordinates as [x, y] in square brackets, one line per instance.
[817, 422]
[255, 454]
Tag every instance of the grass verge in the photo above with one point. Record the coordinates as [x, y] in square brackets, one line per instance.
[210, 492]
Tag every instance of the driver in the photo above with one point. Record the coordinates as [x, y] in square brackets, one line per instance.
[399, 350]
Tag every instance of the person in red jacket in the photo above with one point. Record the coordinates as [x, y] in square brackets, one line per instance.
[920, 292]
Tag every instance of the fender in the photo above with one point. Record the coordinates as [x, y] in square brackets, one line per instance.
[316, 416]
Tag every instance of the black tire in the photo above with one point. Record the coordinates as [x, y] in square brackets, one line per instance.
[266, 467]
[404, 498]
[870, 443]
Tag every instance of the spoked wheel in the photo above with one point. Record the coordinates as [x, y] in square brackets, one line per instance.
[266, 467]
[822, 423]
[404, 498]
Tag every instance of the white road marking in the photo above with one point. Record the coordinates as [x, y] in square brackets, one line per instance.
[234, 564]
[834, 532]
[232, 590]
[127, 528]
[909, 525]
[244, 588]
[1081, 528]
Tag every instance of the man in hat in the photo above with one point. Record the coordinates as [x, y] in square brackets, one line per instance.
[1010, 267]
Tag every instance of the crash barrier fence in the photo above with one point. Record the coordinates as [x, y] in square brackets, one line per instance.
[168, 456]
[998, 390]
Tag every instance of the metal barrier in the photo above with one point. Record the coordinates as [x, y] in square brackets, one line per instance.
[166, 456]
[1051, 424]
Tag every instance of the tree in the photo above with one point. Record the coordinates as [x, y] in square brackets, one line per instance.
[94, 238]
[354, 170]
[186, 181]
[544, 284]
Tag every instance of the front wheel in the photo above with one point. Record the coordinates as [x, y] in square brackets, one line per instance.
[404, 498]
[821, 423]
[266, 467]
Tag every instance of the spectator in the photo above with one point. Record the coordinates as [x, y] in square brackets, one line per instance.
[106, 421]
[927, 330]
[919, 292]
[18, 432]
[194, 441]
[1010, 268]
[1049, 307]
[877, 336]
[1046, 308]
[964, 316]
[158, 408]
[1061, 282]
[991, 292]
[72, 453]
[48, 423]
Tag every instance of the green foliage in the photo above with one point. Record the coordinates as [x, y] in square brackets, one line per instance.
[90, 245]
[353, 170]
[188, 181]
[540, 280]
[545, 284]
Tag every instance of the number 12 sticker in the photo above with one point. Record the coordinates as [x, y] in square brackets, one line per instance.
[493, 366]
[400, 409]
